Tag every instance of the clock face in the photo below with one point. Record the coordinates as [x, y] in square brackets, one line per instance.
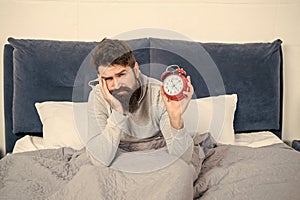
[173, 85]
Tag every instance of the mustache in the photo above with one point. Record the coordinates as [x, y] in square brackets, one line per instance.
[121, 89]
[128, 100]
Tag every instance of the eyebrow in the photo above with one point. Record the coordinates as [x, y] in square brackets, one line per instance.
[122, 71]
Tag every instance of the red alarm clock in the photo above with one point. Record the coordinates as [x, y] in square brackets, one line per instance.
[174, 82]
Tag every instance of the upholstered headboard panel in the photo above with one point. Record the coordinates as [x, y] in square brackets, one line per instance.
[40, 70]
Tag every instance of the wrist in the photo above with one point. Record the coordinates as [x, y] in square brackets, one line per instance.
[176, 123]
[119, 109]
[116, 105]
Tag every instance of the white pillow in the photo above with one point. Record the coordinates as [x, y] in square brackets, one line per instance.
[213, 114]
[62, 123]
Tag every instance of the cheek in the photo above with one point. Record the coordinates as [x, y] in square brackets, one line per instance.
[109, 85]
[132, 83]
[128, 81]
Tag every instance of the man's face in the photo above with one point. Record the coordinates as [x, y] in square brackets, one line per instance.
[120, 80]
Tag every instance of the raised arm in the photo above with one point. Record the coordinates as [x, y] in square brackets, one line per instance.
[179, 142]
[104, 129]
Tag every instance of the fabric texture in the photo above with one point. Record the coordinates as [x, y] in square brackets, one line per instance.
[296, 145]
[107, 128]
[28, 143]
[68, 174]
[218, 172]
[251, 70]
[43, 70]
[236, 172]
[52, 70]
[48, 70]
[212, 114]
[63, 123]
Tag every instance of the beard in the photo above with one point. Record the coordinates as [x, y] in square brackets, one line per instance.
[127, 97]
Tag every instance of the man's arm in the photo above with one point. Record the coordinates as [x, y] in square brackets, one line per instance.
[104, 129]
[179, 142]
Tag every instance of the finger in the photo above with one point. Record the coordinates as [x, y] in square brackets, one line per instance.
[103, 82]
[190, 86]
[189, 79]
[102, 86]
[165, 98]
[190, 90]
[187, 94]
[106, 94]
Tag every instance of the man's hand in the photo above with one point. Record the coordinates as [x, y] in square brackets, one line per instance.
[176, 109]
[112, 101]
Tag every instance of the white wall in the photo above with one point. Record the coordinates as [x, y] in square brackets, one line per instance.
[202, 20]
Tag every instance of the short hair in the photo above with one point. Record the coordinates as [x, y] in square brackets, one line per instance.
[110, 52]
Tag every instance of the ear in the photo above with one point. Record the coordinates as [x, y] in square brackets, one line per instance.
[136, 70]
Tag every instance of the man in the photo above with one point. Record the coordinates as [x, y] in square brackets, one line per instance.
[127, 107]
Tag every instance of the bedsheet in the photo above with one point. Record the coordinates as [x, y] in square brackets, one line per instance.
[238, 172]
[68, 174]
[254, 139]
[216, 172]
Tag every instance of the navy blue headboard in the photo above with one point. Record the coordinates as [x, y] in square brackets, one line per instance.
[40, 70]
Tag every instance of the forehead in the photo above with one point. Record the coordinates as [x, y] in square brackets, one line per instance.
[112, 70]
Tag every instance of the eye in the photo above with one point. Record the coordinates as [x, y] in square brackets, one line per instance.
[108, 79]
[122, 74]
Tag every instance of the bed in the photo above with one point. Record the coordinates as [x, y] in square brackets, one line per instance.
[235, 118]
